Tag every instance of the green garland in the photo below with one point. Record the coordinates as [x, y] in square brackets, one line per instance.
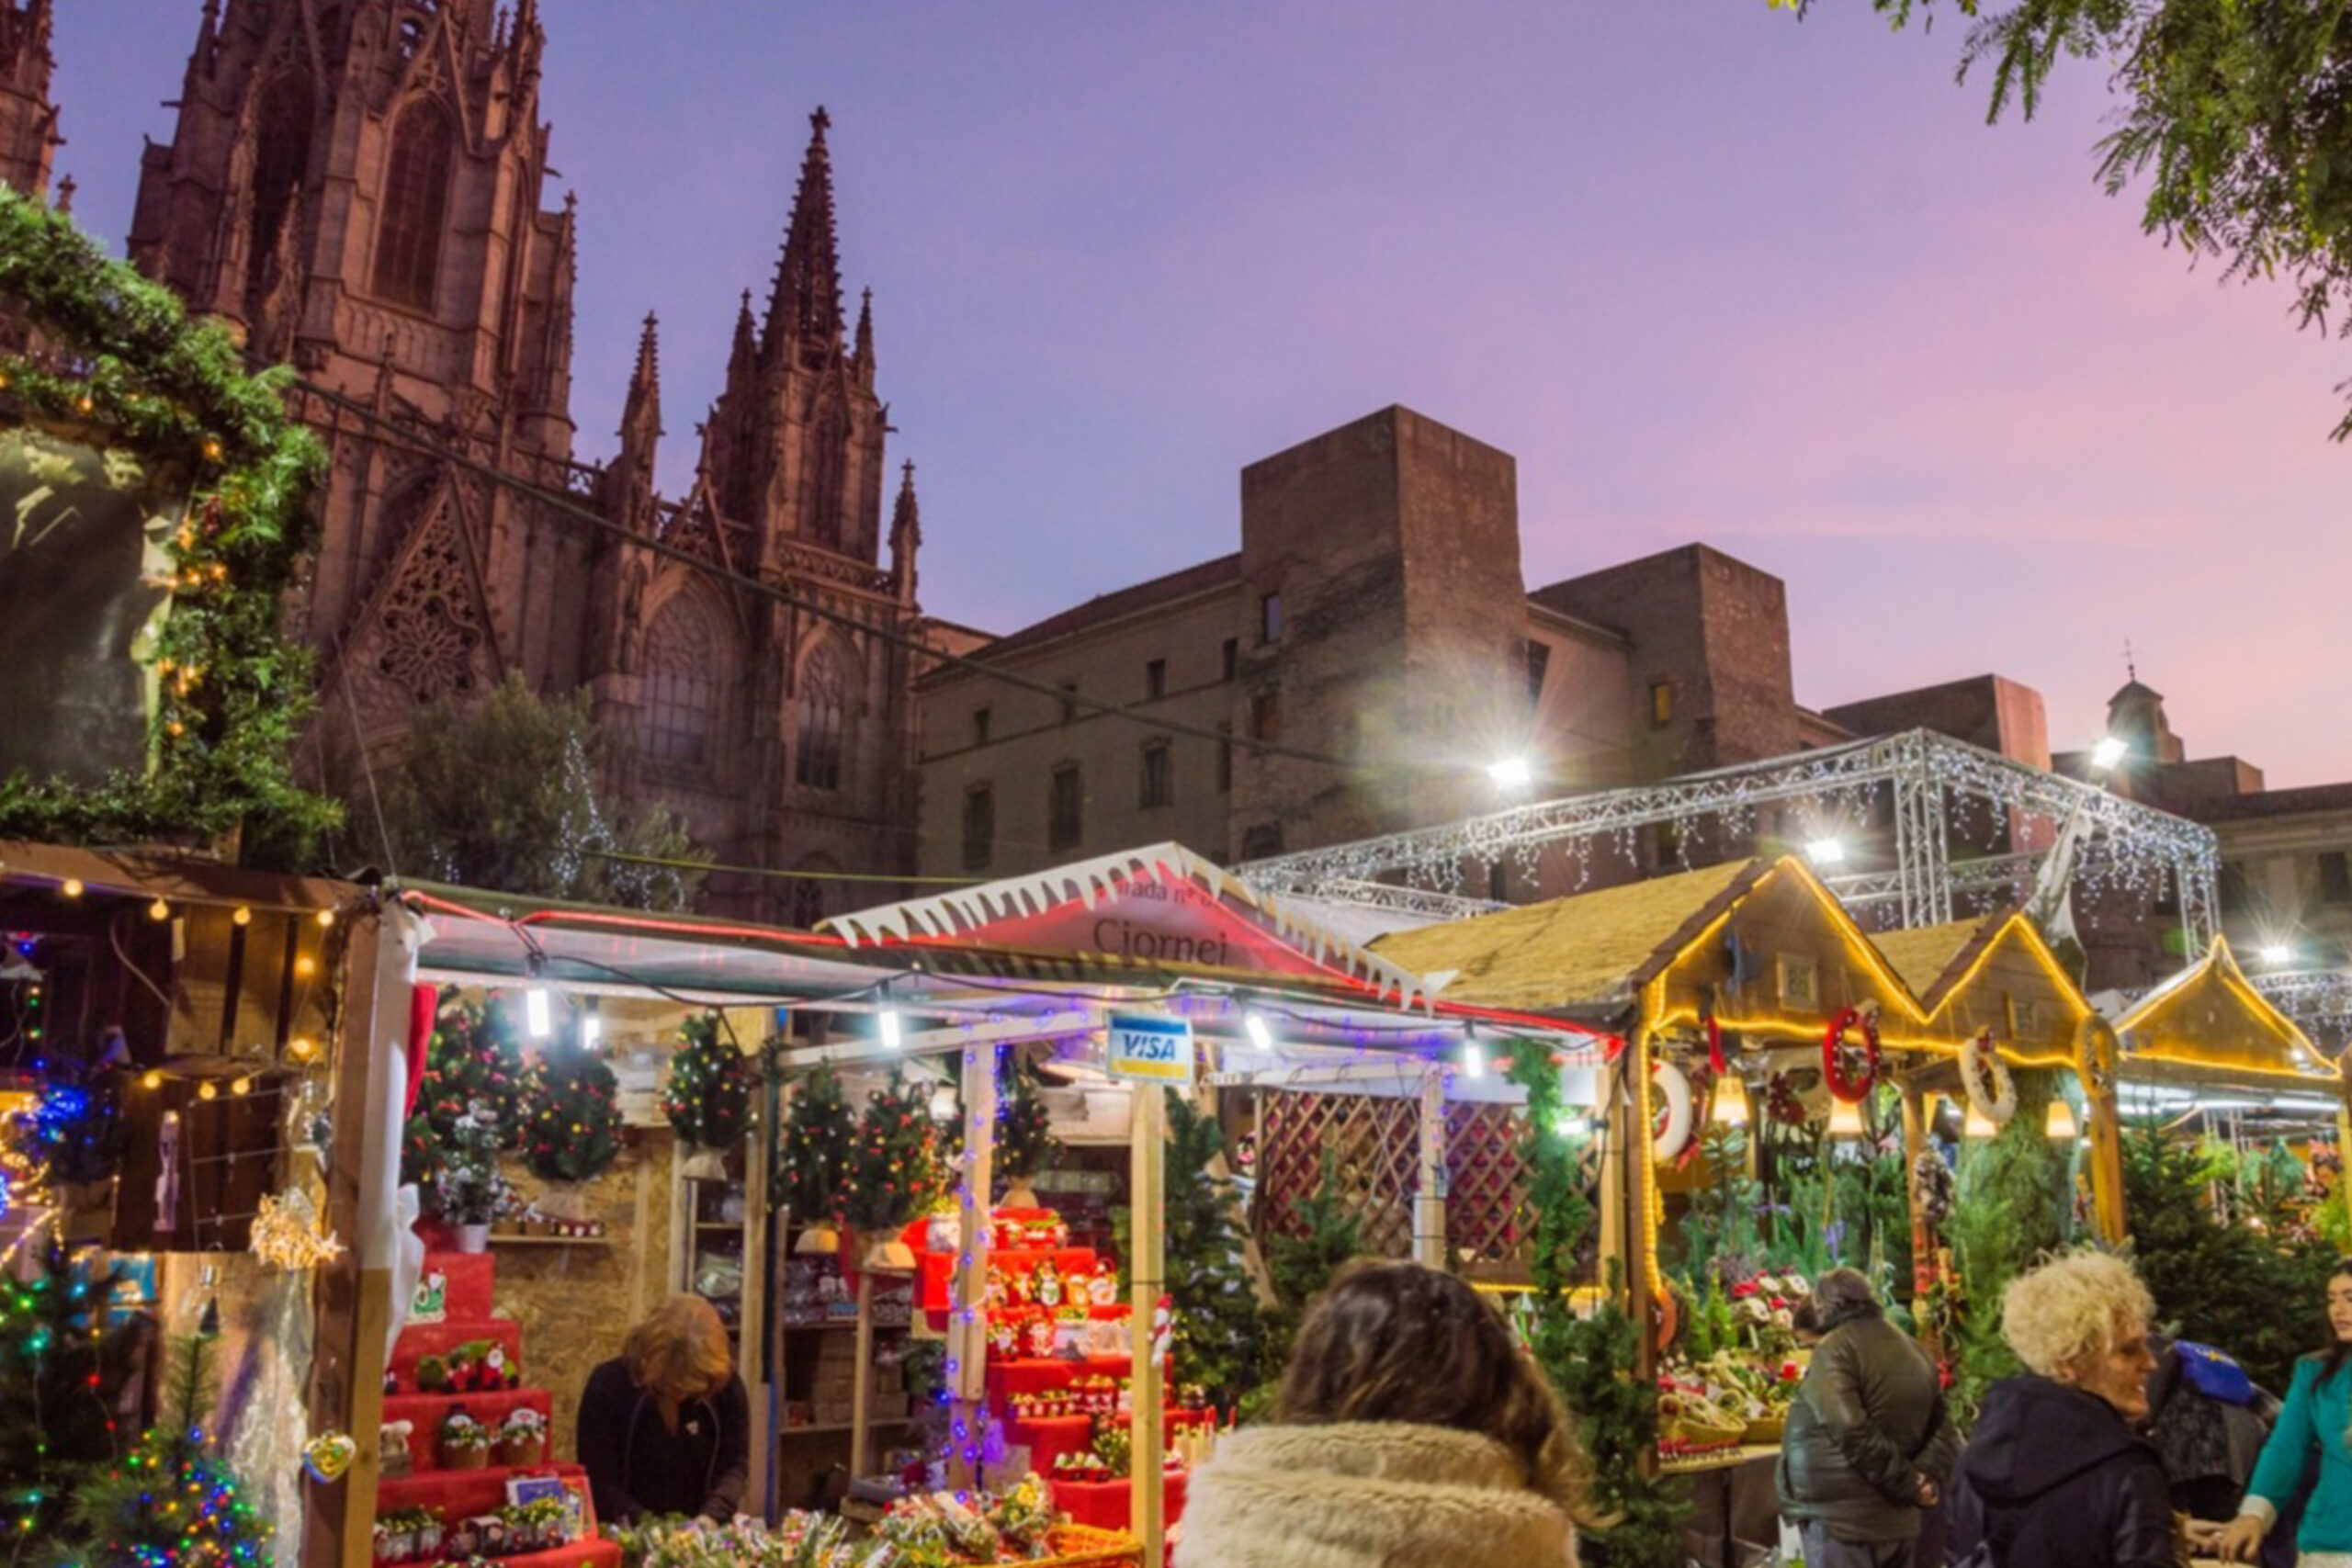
[234, 693]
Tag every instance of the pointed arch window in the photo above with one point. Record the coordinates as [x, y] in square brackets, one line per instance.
[281, 159]
[809, 890]
[415, 205]
[682, 658]
[828, 463]
[824, 696]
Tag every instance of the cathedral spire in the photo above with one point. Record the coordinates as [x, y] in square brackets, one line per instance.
[806, 305]
[631, 473]
[906, 535]
[645, 382]
[745, 357]
[865, 336]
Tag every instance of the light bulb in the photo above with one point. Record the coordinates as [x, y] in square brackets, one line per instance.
[535, 1012]
[1731, 1104]
[208, 1089]
[890, 1034]
[1473, 1059]
[326, 918]
[592, 1030]
[1845, 1118]
[302, 1048]
[151, 1080]
[1259, 1035]
[70, 888]
[243, 1086]
[244, 915]
[2060, 1126]
[306, 966]
[158, 910]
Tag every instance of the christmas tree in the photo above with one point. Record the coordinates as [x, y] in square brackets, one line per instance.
[473, 1058]
[1298, 1266]
[1220, 1334]
[894, 1170]
[708, 1096]
[572, 1127]
[75, 1134]
[171, 1501]
[1024, 1139]
[812, 1169]
[61, 1368]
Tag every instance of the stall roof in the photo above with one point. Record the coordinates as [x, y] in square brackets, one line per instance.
[1160, 911]
[2210, 1021]
[179, 878]
[1932, 959]
[1589, 953]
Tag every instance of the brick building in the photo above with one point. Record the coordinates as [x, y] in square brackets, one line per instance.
[360, 189]
[1376, 618]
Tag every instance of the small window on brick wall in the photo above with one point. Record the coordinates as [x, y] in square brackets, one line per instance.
[1155, 679]
[980, 827]
[2336, 877]
[1661, 704]
[1159, 775]
[1066, 808]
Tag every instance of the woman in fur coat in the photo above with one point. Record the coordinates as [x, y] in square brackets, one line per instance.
[1410, 1429]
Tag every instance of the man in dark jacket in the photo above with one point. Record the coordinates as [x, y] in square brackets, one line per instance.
[1867, 1445]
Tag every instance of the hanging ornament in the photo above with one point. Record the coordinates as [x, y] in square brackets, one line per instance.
[1985, 1078]
[167, 1177]
[1716, 1047]
[1836, 1053]
[1674, 1126]
[287, 1235]
[328, 1455]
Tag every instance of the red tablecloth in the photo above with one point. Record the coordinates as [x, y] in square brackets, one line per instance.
[1109, 1504]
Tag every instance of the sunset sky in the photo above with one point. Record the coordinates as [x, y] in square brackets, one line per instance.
[1707, 272]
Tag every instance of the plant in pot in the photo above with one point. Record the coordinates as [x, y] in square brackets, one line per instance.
[572, 1129]
[468, 1188]
[465, 1442]
[812, 1168]
[894, 1172]
[1025, 1138]
[522, 1439]
[708, 1098]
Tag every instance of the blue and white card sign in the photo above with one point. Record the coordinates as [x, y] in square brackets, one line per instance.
[1150, 1050]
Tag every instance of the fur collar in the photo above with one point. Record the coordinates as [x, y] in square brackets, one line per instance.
[1369, 1495]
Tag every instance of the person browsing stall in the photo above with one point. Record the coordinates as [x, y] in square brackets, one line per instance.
[665, 1427]
[2309, 1455]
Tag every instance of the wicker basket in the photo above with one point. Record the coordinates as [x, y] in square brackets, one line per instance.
[1701, 1434]
[1083, 1546]
[1765, 1430]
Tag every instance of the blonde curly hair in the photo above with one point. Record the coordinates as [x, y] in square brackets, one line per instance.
[2073, 1308]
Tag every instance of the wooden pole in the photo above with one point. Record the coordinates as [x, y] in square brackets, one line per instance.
[967, 1314]
[1429, 1198]
[1147, 1271]
[1923, 1235]
[861, 1414]
[2096, 1069]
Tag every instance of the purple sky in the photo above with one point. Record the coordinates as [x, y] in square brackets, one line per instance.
[1708, 274]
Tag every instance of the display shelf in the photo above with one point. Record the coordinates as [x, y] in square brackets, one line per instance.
[497, 1240]
[426, 1410]
[830, 1428]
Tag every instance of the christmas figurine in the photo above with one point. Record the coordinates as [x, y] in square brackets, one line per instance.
[1103, 1289]
[1163, 1327]
[1041, 1338]
[1048, 1284]
[998, 1294]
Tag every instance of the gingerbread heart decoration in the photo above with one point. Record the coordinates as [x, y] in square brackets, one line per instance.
[328, 1455]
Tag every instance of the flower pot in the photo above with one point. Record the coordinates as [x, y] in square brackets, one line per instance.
[519, 1451]
[473, 1238]
[818, 1239]
[464, 1456]
[1020, 1194]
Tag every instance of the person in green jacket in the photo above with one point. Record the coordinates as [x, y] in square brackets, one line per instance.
[2315, 1425]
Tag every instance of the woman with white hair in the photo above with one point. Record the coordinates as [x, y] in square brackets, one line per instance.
[2054, 1473]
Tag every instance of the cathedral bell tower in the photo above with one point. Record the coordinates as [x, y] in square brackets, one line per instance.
[28, 119]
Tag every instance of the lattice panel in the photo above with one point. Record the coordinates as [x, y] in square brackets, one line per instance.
[1487, 1217]
[1373, 1145]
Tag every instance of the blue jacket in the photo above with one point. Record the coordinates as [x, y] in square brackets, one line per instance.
[2312, 1428]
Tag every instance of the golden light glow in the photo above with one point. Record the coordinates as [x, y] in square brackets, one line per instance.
[243, 1086]
[1731, 1104]
[326, 917]
[70, 888]
[1978, 1125]
[304, 1049]
[2044, 960]
[2061, 1126]
[151, 1080]
[306, 966]
[158, 910]
[1845, 1118]
[208, 1089]
[244, 915]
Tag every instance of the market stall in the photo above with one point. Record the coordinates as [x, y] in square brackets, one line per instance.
[197, 1126]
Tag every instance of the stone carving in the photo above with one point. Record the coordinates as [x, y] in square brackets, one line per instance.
[430, 624]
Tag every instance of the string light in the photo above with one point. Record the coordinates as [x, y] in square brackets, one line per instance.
[1261, 1035]
[70, 888]
[158, 910]
[891, 1036]
[325, 918]
[244, 915]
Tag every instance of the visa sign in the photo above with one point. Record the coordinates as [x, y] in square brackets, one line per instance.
[1150, 1050]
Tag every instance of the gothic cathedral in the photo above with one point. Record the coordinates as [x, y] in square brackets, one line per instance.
[357, 185]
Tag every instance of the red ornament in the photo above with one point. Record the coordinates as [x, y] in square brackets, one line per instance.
[1833, 1052]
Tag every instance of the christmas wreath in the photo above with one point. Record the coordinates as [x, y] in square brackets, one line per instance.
[572, 1129]
[1674, 1122]
[1985, 1078]
[1835, 1054]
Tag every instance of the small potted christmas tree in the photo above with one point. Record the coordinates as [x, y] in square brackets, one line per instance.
[467, 1186]
[708, 1098]
[572, 1127]
[812, 1170]
[893, 1171]
[1024, 1139]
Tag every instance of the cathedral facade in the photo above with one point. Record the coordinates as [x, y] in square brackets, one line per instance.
[359, 188]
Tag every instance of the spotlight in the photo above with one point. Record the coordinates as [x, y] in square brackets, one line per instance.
[1827, 851]
[2276, 952]
[1259, 1035]
[891, 1034]
[1510, 772]
[1473, 1059]
[2110, 749]
[535, 1014]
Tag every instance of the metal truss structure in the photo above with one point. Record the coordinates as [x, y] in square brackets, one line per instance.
[2319, 1001]
[1923, 797]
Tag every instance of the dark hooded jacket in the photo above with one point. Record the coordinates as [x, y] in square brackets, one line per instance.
[1868, 1426]
[2051, 1476]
